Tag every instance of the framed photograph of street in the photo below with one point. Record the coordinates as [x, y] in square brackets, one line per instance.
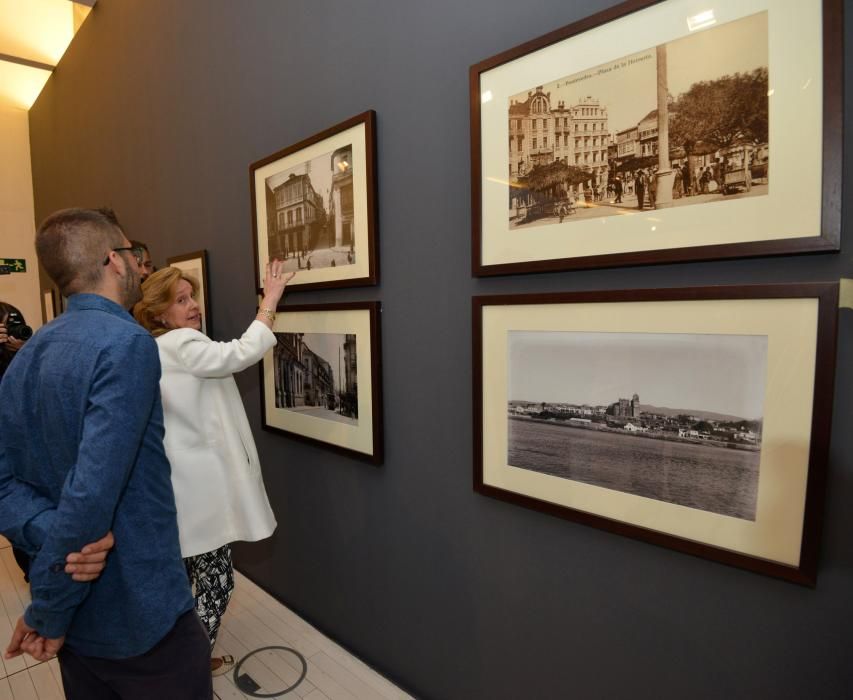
[195, 266]
[696, 419]
[322, 382]
[660, 131]
[314, 207]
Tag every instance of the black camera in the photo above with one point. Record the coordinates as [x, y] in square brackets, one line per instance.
[16, 328]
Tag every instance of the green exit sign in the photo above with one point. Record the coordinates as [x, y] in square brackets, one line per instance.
[14, 264]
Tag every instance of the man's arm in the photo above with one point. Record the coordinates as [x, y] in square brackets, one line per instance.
[25, 514]
[85, 565]
[120, 401]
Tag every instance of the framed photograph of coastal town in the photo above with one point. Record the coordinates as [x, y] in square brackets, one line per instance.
[660, 131]
[322, 382]
[697, 419]
[195, 265]
[314, 207]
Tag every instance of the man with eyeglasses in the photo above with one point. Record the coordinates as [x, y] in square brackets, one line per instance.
[81, 453]
[137, 248]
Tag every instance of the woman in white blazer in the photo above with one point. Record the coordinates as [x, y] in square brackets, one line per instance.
[216, 475]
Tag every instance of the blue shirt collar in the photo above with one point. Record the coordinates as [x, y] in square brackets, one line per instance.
[79, 302]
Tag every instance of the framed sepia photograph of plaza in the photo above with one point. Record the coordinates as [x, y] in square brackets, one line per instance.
[195, 266]
[653, 132]
[314, 207]
[322, 382]
[696, 419]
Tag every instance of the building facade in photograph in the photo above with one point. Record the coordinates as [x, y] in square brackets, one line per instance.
[319, 380]
[637, 145]
[627, 142]
[342, 196]
[349, 393]
[626, 408]
[298, 218]
[541, 133]
[302, 377]
[289, 370]
[647, 134]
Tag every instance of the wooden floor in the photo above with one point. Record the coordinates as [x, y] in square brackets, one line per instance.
[254, 620]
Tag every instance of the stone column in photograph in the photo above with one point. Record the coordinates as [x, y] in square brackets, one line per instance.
[665, 175]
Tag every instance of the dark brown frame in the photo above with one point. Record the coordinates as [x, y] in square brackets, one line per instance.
[367, 118]
[374, 309]
[827, 295]
[828, 241]
[204, 282]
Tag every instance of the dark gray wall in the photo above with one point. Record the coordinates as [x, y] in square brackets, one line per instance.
[158, 108]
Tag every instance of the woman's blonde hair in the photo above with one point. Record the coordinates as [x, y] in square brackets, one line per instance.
[158, 294]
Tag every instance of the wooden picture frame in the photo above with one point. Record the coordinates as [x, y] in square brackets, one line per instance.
[314, 207]
[557, 120]
[48, 306]
[697, 419]
[195, 265]
[322, 382]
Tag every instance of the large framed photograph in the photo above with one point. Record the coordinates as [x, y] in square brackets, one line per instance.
[314, 207]
[660, 131]
[695, 418]
[195, 265]
[322, 382]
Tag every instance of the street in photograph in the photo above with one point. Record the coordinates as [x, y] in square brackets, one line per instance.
[667, 416]
[684, 123]
[315, 375]
[310, 213]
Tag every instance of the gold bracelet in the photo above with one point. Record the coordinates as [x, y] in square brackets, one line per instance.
[269, 313]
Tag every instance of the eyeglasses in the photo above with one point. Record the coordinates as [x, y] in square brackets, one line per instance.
[136, 252]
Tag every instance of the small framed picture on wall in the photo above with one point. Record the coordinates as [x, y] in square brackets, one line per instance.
[322, 382]
[314, 207]
[49, 305]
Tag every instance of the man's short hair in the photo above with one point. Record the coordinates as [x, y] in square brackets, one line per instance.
[111, 216]
[140, 245]
[71, 245]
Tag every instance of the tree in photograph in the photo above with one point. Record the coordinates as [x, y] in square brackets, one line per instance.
[551, 181]
[715, 114]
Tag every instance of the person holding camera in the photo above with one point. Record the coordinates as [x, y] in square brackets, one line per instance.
[14, 332]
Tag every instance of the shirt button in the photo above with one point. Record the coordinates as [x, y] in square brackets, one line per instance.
[57, 567]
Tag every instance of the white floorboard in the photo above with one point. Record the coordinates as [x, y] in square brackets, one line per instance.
[254, 619]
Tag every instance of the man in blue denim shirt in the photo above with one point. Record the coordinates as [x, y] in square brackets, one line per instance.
[81, 453]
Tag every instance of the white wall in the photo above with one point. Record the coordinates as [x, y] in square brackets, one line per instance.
[17, 227]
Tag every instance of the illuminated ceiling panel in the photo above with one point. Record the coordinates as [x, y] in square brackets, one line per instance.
[38, 30]
[20, 85]
[34, 32]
